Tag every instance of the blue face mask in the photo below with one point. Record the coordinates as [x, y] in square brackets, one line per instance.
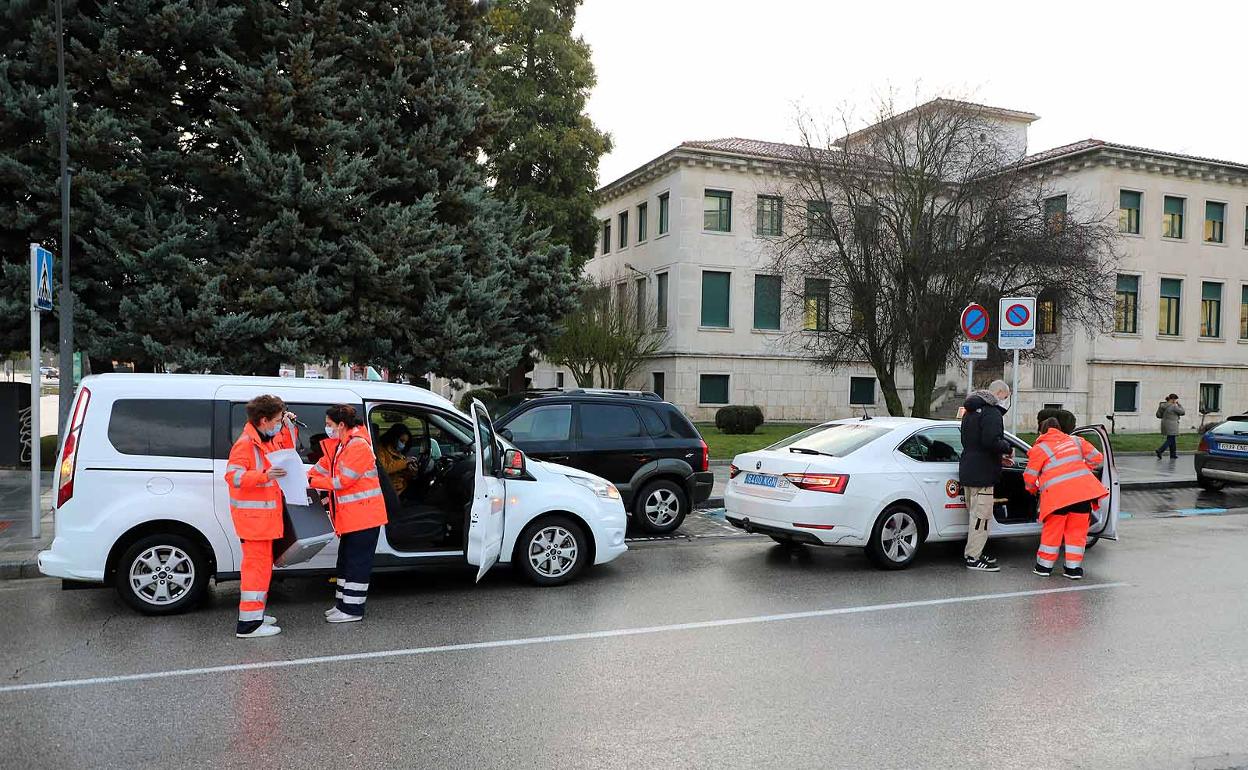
[276, 429]
[401, 446]
[329, 431]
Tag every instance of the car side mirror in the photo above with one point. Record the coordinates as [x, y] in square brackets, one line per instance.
[506, 433]
[514, 464]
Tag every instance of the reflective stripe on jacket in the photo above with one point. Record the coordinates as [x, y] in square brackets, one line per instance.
[255, 500]
[348, 471]
[1059, 469]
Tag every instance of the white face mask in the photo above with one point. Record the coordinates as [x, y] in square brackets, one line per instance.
[330, 430]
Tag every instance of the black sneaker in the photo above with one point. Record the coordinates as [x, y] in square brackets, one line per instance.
[1042, 570]
[1074, 573]
[981, 565]
[990, 559]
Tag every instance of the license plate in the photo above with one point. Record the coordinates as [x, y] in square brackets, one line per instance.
[1242, 448]
[762, 480]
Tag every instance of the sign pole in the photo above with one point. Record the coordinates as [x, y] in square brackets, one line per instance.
[35, 460]
[1014, 396]
[970, 377]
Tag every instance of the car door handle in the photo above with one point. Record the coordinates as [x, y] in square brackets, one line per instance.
[930, 480]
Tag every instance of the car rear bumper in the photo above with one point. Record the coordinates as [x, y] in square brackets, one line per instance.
[829, 522]
[54, 562]
[700, 485]
[1221, 468]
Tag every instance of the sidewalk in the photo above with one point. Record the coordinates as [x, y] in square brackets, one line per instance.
[18, 551]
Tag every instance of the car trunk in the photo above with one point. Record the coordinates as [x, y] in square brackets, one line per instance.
[764, 465]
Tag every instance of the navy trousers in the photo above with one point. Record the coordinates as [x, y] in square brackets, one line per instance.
[355, 566]
[1169, 443]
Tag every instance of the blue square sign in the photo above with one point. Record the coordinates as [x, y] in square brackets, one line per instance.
[40, 277]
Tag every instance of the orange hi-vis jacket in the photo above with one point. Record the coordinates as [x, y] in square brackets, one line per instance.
[348, 471]
[256, 500]
[1059, 469]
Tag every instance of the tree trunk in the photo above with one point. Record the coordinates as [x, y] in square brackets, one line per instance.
[300, 370]
[516, 379]
[335, 369]
[892, 399]
[100, 365]
[924, 384]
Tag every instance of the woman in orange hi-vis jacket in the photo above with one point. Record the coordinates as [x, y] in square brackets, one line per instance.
[348, 472]
[1062, 469]
[256, 507]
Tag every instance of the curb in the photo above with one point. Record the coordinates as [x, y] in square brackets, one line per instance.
[20, 570]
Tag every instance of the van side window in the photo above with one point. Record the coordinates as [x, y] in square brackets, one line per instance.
[161, 427]
[310, 438]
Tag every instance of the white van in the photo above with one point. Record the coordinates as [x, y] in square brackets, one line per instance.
[141, 502]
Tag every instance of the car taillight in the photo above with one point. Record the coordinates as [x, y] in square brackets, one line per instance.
[69, 453]
[706, 458]
[733, 470]
[819, 482]
[1204, 445]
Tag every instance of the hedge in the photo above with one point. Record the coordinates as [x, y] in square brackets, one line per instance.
[738, 419]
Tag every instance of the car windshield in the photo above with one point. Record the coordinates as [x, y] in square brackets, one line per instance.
[837, 440]
[1236, 426]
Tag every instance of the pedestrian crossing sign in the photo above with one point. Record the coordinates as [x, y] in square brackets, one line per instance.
[41, 277]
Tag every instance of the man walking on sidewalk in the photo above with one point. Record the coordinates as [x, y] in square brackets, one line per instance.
[979, 469]
[1169, 412]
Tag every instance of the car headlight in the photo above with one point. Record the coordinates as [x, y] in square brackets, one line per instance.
[600, 488]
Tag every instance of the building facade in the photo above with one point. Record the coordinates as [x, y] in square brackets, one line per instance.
[684, 235]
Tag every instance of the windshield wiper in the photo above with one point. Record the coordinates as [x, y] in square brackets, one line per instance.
[801, 450]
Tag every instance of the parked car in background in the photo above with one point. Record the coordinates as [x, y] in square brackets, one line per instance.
[49, 371]
[634, 439]
[1222, 457]
[889, 485]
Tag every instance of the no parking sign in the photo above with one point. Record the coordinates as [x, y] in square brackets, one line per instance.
[1017, 328]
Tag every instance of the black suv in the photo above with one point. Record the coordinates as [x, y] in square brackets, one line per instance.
[635, 440]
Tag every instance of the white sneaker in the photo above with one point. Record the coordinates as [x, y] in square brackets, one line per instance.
[260, 632]
[331, 610]
[338, 616]
[269, 620]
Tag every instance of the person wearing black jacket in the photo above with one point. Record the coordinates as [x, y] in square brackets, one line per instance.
[979, 469]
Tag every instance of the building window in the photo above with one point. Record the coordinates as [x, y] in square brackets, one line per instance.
[641, 303]
[818, 303]
[559, 380]
[660, 310]
[1243, 312]
[664, 201]
[1055, 211]
[623, 229]
[1127, 305]
[642, 210]
[770, 215]
[715, 291]
[818, 219]
[1210, 309]
[1210, 398]
[1126, 397]
[1129, 211]
[1215, 222]
[1046, 316]
[717, 211]
[1172, 220]
[861, 391]
[621, 299]
[606, 236]
[1168, 309]
[713, 389]
[766, 302]
[659, 383]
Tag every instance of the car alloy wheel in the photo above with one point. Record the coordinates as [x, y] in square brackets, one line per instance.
[553, 551]
[899, 538]
[662, 507]
[162, 575]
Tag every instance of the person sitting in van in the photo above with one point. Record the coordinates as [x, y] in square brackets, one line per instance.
[390, 456]
[348, 472]
[256, 507]
[1062, 469]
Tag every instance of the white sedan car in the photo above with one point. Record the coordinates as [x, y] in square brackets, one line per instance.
[887, 484]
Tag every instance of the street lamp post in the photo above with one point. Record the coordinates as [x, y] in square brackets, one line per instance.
[67, 296]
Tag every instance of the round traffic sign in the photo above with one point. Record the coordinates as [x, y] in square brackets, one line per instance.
[1017, 315]
[975, 322]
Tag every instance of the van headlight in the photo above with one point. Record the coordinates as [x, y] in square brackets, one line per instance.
[601, 488]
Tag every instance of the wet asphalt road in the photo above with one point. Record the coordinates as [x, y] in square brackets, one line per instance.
[1148, 670]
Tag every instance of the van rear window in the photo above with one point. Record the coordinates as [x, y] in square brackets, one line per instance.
[162, 427]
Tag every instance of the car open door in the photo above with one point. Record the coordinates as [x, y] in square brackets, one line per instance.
[1105, 519]
[485, 516]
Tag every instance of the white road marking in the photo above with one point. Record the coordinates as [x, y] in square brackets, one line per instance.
[533, 640]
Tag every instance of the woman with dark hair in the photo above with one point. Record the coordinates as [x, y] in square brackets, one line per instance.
[256, 507]
[1062, 470]
[348, 472]
[398, 466]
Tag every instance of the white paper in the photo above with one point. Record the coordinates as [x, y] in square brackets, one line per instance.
[294, 484]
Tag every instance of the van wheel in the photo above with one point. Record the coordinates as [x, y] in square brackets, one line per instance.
[551, 551]
[895, 538]
[162, 574]
[660, 508]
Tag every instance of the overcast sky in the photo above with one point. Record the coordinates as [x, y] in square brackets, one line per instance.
[1168, 75]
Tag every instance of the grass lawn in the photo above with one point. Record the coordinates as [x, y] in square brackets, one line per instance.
[726, 447]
